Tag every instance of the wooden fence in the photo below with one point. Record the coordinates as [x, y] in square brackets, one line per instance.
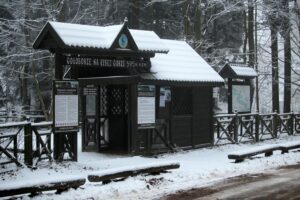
[37, 138]
[235, 128]
[17, 138]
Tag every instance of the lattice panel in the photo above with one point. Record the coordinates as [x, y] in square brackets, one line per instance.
[116, 101]
[181, 101]
[103, 101]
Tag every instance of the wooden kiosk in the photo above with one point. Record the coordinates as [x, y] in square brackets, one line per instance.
[138, 93]
[238, 78]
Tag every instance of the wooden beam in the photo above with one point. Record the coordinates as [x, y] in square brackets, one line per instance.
[108, 80]
[106, 176]
[33, 188]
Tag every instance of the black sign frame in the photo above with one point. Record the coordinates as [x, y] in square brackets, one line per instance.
[63, 89]
[147, 91]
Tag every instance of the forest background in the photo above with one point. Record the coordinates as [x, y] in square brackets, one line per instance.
[261, 33]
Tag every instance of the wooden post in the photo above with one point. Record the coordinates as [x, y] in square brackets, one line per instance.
[229, 92]
[257, 127]
[291, 123]
[58, 66]
[133, 118]
[28, 144]
[57, 138]
[275, 124]
[15, 146]
[148, 138]
[236, 127]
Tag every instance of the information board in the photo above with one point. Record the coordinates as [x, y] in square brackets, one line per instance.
[164, 96]
[146, 106]
[66, 106]
[241, 98]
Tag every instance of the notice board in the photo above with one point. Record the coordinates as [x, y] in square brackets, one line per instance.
[146, 106]
[66, 106]
[241, 98]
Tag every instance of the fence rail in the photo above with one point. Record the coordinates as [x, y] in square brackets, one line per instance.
[235, 128]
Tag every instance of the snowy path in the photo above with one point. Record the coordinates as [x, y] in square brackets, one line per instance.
[198, 168]
[275, 184]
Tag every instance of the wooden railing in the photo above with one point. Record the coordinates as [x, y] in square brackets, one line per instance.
[235, 128]
[17, 138]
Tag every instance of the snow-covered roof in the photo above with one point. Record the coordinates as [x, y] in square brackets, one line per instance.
[148, 41]
[97, 37]
[181, 64]
[234, 70]
[78, 35]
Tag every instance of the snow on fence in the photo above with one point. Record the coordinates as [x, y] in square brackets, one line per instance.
[235, 128]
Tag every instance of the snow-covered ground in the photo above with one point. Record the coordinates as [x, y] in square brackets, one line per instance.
[199, 167]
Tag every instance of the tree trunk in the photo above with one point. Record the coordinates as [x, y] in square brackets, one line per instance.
[297, 11]
[24, 73]
[251, 32]
[287, 56]
[246, 38]
[256, 61]
[198, 26]
[133, 14]
[251, 44]
[38, 91]
[186, 20]
[274, 52]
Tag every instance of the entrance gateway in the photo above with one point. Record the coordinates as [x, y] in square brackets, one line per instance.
[138, 93]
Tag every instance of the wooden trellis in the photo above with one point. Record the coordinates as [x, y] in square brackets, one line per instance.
[226, 127]
[43, 133]
[247, 124]
[267, 126]
[26, 132]
[297, 123]
[285, 122]
[236, 128]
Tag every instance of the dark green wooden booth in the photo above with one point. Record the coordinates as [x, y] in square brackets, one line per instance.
[110, 63]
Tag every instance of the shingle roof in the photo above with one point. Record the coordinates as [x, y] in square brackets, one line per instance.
[87, 36]
[182, 64]
[237, 70]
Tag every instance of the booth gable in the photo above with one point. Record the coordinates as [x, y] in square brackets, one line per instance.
[58, 35]
[237, 71]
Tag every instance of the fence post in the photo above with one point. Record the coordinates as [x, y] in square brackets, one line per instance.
[257, 127]
[236, 128]
[275, 124]
[28, 144]
[291, 124]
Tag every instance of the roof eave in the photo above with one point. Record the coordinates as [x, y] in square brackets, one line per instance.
[180, 83]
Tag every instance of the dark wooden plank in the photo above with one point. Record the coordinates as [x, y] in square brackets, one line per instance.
[289, 146]
[181, 130]
[108, 175]
[267, 150]
[59, 185]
